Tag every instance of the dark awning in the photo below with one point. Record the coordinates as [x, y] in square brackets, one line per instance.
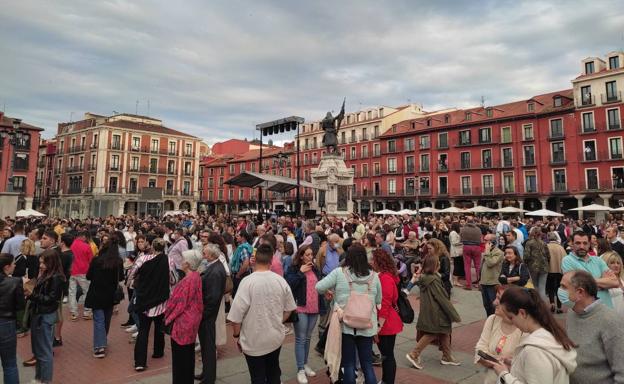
[273, 183]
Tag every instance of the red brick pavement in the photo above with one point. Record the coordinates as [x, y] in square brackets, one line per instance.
[403, 376]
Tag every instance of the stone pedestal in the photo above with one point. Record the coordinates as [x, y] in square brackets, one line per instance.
[8, 204]
[334, 183]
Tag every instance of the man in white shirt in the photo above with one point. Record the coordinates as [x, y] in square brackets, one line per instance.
[262, 303]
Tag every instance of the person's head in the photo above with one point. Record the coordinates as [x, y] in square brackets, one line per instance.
[289, 249]
[383, 262]
[243, 237]
[310, 227]
[18, 228]
[370, 240]
[264, 254]
[67, 239]
[304, 255]
[603, 246]
[437, 248]
[578, 289]
[552, 236]
[217, 239]
[411, 236]
[159, 245]
[512, 255]
[580, 244]
[430, 265]
[7, 263]
[614, 262]
[27, 248]
[50, 264]
[527, 311]
[490, 238]
[357, 261]
[260, 230]
[333, 241]
[268, 238]
[380, 237]
[204, 234]
[498, 310]
[142, 243]
[191, 259]
[211, 252]
[611, 232]
[593, 240]
[536, 233]
[49, 239]
[511, 236]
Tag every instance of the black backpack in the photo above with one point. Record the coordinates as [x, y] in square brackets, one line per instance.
[404, 308]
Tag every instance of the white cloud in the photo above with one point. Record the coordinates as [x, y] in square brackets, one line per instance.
[217, 69]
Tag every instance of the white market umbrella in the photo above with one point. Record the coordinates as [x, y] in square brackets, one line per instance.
[621, 209]
[510, 210]
[407, 212]
[544, 212]
[386, 212]
[249, 212]
[452, 209]
[172, 213]
[428, 210]
[28, 213]
[480, 209]
[593, 208]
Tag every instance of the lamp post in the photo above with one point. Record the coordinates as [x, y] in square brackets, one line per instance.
[15, 137]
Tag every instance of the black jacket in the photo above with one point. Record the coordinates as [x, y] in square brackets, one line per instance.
[47, 295]
[299, 286]
[151, 283]
[103, 285]
[518, 270]
[11, 296]
[213, 288]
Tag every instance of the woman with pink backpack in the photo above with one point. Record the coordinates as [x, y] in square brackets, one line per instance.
[356, 292]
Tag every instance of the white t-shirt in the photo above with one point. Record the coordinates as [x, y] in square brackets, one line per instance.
[259, 306]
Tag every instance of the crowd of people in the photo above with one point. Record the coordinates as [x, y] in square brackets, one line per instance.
[348, 278]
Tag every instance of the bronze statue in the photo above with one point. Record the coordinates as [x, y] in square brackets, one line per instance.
[331, 125]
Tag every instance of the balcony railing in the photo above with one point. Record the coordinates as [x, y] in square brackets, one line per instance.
[560, 187]
[587, 100]
[76, 148]
[170, 192]
[611, 98]
[507, 163]
[114, 168]
[556, 135]
[613, 126]
[112, 189]
[116, 147]
[74, 169]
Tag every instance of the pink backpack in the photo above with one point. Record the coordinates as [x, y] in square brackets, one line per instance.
[359, 309]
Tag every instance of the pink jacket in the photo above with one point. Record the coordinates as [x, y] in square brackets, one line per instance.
[184, 309]
[82, 257]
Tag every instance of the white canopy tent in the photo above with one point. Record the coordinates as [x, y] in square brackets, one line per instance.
[386, 212]
[544, 212]
[452, 209]
[28, 213]
[407, 212]
[620, 209]
[510, 210]
[249, 212]
[480, 209]
[428, 210]
[593, 208]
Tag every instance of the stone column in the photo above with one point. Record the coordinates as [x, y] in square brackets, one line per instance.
[600, 216]
[475, 203]
[543, 202]
[402, 204]
[499, 203]
[579, 203]
[28, 202]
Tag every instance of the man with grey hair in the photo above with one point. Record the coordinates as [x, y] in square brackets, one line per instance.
[595, 328]
[213, 288]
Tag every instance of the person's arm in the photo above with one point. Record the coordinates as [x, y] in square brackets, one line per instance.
[613, 343]
[608, 280]
[484, 339]
[328, 282]
[387, 291]
[244, 265]
[524, 277]
[176, 304]
[538, 368]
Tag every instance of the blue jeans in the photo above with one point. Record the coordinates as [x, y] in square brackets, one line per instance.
[101, 325]
[8, 346]
[303, 333]
[42, 335]
[488, 295]
[364, 347]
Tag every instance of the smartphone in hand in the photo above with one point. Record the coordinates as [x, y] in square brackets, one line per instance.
[488, 357]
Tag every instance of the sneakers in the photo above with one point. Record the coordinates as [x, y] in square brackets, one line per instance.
[376, 359]
[450, 361]
[406, 291]
[301, 377]
[128, 323]
[132, 329]
[99, 353]
[87, 316]
[65, 300]
[139, 368]
[135, 335]
[57, 342]
[74, 317]
[30, 362]
[415, 360]
[288, 330]
[309, 371]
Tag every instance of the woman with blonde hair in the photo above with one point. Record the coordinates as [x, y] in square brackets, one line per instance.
[614, 262]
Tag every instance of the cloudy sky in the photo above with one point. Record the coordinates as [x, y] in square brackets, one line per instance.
[217, 68]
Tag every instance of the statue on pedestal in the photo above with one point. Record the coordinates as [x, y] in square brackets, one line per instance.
[331, 125]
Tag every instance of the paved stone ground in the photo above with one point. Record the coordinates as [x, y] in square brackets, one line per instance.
[73, 362]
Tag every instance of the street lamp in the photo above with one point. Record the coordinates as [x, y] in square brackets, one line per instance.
[15, 138]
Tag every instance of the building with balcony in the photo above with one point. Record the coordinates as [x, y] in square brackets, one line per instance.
[44, 178]
[123, 164]
[18, 159]
[555, 150]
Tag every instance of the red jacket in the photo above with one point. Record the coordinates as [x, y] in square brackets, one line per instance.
[82, 257]
[389, 296]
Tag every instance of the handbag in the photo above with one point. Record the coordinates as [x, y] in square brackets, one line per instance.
[229, 284]
[119, 293]
[168, 328]
[529, 283]
[359, 309]
[404, 308]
